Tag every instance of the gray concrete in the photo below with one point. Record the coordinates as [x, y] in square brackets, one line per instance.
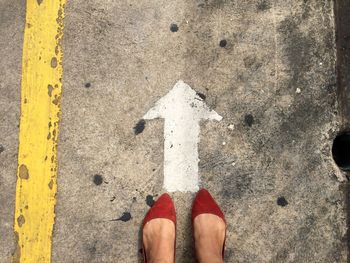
[11, 40]
[128, 54]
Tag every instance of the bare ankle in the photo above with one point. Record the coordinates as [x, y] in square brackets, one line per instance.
[209, 235]
[208, 254]
[162, 260]
[161, 255]
[159, 241]
[210, 258]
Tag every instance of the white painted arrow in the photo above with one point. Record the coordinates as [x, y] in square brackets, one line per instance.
[182, 110]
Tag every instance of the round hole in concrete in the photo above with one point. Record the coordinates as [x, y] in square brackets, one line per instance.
[341, 150]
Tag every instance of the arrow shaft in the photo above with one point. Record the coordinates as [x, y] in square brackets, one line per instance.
[181, 137]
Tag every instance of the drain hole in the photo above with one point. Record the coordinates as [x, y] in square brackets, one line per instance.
[341, 151]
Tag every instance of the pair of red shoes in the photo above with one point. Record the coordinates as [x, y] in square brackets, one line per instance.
[164, 208]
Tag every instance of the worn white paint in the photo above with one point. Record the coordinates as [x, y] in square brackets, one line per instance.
[182, 109]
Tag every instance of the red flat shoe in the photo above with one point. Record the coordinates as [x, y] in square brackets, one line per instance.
[204, 203]
[162, 208]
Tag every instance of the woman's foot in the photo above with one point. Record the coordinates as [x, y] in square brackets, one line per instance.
[158, 234]
[209, 236]
[159, 240]
[209, 228]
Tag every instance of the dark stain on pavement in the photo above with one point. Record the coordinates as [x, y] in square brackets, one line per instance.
[2, 148]
[263, 5]
[252, 63]
[97, 179]
[92, 250]
[223, 43]
[139, 127]
[234, 186]
[298, 43]
[281, 201]
[174, 27]
[297, 123]
[126, 216]
[149, 200]
[307, 10]
[249, 120]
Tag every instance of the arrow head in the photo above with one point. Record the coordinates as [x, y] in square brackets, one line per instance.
[180, 102]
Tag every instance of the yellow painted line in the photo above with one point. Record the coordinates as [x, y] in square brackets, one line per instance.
[40, 109]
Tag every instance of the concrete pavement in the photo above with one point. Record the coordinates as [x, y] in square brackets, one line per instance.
[267, 67]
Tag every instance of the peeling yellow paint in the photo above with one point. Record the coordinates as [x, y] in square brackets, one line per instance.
[36, 177]
[21, 220]
[23, 172]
